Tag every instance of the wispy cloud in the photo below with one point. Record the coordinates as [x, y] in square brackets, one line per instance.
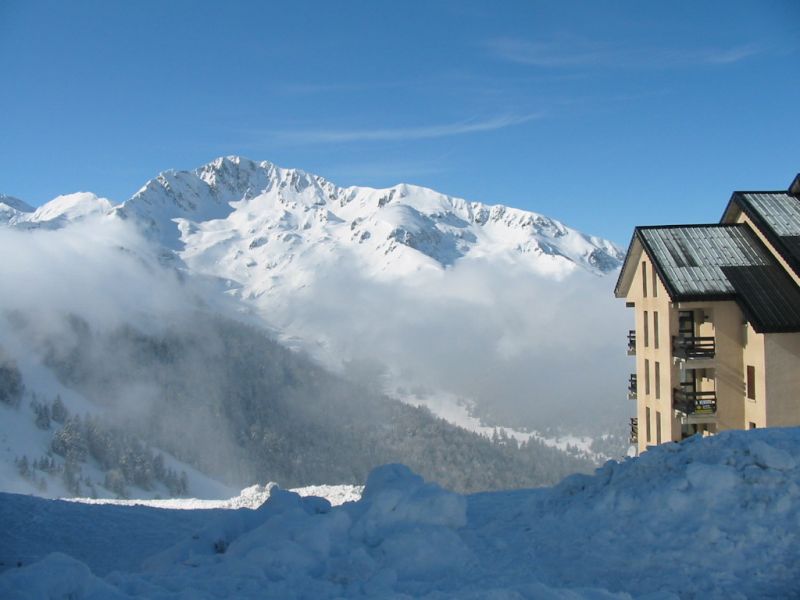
[731, 55]
[311, 88]
[577, 52]
[322, 136]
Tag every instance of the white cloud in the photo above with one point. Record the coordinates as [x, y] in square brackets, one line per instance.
[577, 52]
[529, 348]
[321, 136]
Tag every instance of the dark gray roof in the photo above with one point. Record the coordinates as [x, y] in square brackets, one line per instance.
[768, 297]
[779, 210]
[777, 216]
[724, 262]
[689, 258]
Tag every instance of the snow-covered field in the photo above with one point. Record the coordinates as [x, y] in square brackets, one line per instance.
[708, 518]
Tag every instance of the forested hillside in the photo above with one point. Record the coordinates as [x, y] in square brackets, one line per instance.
[224, 397]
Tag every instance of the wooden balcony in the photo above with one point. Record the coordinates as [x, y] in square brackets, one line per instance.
[692, 348]
[632, 387]
[632, 342]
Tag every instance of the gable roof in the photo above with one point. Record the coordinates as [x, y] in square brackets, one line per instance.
[689, 258]
[777, 217]
[768, 297]
[719, 262]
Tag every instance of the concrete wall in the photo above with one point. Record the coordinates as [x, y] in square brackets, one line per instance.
[782, 357]
[753, 353]
[658, 400]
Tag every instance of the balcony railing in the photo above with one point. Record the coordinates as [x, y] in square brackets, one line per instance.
[632, 342]
[690, 402]
[693, 347]
[633, 438]
[632, 387]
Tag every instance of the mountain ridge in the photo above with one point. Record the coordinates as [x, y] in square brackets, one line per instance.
[175, 204]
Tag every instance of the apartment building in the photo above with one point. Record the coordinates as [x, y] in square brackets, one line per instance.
[717, 320]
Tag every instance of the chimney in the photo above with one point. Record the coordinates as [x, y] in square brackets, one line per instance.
[794, 189]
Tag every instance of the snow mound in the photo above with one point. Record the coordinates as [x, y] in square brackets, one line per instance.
[250, 497]
[708, 518]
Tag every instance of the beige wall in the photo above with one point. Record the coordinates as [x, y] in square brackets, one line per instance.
[667, 325]
[753, 354]
[728, 331]
[782, 357]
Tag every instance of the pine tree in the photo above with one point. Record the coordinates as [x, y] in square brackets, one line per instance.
[23, 467]
[11, 386]
[59, 412]
[42, 415]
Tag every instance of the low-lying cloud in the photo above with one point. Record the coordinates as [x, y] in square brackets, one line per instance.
[530, 349]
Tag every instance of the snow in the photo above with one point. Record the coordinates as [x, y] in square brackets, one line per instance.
[458, 411]
[12, 208]
[714, 517]
[277, 238]
[250, 497]
[72, 207]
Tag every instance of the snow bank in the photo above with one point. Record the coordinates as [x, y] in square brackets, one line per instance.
[250, 497]
[708, 518]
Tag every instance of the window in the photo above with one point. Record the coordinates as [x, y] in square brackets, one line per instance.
[647, 422]
[658, 380]
[646, 330]
[751, 425]
[655, 283]
[658, 427]
[644, 279]
[751, 382]
[646, 376]
[655, 330]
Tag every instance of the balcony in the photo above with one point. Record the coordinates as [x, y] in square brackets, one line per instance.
[695, 406]
[632, 342]
[632, 387]
[693, 348]
[633, 438]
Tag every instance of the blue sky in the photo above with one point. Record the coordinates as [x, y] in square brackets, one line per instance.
[602, 114]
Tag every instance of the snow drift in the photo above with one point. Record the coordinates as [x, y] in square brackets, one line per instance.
[707, 518]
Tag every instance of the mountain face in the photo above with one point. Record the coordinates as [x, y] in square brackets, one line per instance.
[296, 247]
[12, 208]
[430, 303]
[57, 213]
[250, 221]
[398, 277]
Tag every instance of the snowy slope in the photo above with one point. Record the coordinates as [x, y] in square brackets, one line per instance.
[12, 209]
[248, 221]
[708, 518]
[323, 264]
[58, 212]
[278, 239]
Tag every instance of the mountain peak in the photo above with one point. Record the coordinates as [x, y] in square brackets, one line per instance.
[242, 213]
[15, 203]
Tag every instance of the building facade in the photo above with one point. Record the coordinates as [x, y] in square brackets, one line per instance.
[717, 320]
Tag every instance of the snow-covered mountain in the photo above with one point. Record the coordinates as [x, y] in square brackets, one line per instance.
[12, 208]
[436, 300]
[253, 222]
